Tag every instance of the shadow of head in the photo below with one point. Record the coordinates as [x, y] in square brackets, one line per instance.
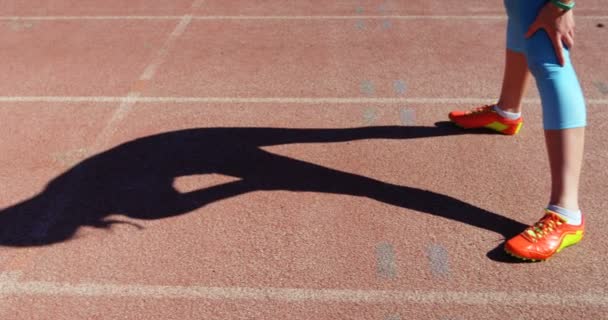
[135, 179]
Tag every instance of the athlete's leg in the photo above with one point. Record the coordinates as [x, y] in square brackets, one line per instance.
[507, 119]
[564, 119]
[517, 74]
[564, 115]
[565, 149]
[505, 116]
[515, 81]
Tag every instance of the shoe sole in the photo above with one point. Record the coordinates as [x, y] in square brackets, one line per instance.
[494, 126]
[524, 259]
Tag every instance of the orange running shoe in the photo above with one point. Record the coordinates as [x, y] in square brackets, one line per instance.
[545, 238]
[486, 117]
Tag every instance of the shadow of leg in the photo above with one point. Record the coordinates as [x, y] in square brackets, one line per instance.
[283, 173]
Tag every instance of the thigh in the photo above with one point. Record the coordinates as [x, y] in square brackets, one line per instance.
[521, 14]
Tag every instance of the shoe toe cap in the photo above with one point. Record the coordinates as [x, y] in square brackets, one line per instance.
[522, 248]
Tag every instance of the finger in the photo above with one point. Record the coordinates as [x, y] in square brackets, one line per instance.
[571, 34]
[569, 40]
[532, 30]
[557, 45]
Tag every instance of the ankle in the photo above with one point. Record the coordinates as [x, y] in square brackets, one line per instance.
[572, 216]
[511, 110]
[568, 204]
[506, 114]
[508, 106]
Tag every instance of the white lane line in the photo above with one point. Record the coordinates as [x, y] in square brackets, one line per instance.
[127, 103]
[10, 285]
[161, 56]
[285, 100]
[54, 18]
[52, 214]
[199, 17]
[362, 17]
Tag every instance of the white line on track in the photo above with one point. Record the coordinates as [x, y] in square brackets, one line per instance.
[256, 100]
[127, 103]
[42, 226]
[10, 285]
[161, 56]
[194, 17]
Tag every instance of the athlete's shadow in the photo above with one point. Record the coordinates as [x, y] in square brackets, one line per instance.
[136, 178]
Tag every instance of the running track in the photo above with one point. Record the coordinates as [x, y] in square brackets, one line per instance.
[280, 160]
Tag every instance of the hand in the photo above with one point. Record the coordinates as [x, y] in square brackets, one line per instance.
[558, 24]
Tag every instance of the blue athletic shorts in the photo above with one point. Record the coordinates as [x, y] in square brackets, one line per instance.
[561, 94]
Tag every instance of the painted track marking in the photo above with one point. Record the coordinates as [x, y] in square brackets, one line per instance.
[127, 103]
[11, 286]
[357, 17]
[385, 260]
[282, 100]
[42, 227]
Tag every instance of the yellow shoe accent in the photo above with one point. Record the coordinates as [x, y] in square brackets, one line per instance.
[518, 127]
[497, 126]
[570, 239]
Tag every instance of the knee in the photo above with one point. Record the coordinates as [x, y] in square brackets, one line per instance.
[542, 57]
[543, 66]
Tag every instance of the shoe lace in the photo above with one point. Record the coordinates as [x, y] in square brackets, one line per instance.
[543, 227]
[481, 109]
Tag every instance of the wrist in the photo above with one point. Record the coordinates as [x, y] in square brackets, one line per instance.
[565, 5]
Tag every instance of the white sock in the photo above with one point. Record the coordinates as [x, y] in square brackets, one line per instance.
[572, 217]
[507, 114]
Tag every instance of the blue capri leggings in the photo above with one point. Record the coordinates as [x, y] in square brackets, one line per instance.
[561, 95]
